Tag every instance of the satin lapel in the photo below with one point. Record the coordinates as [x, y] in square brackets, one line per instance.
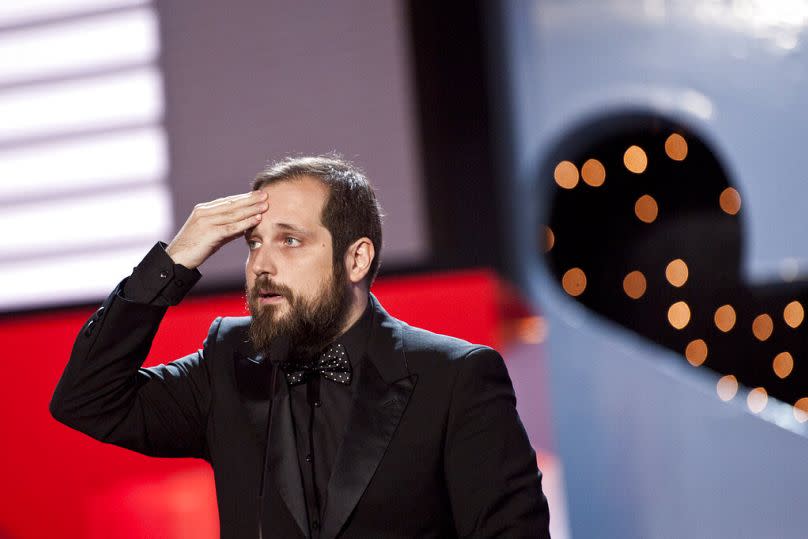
[253, 372]
[283, 465]
[381, 397]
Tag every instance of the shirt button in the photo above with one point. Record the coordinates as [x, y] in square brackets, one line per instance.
[163, 275]
[315, 525]
[317, 404]
[308, 458]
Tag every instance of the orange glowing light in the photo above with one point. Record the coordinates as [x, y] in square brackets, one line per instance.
[801, 410]
[574, 282]
[635, 159]
[593, 172]
[646, 209]
[676, 272]
[794, 314]
[725, 318]
[783, 364]
[730, 201]
[696, 352]
[676, 147]
[549, 239]
[566, 175]
[634, 285]
[679, 314]
[762, 327]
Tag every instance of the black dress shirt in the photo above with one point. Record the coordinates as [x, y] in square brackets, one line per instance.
[320, 408]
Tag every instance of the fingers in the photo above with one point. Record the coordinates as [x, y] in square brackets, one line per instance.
[238, 213]
[237, 228]
[234, 201]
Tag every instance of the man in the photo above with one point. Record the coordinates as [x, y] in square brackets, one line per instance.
[321, 415]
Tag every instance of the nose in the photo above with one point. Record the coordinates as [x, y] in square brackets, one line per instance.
[261, 261]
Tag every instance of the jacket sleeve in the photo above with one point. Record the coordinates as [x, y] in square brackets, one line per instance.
[492, 476]
[104, 392]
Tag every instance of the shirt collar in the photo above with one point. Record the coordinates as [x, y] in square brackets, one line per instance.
[355, 340]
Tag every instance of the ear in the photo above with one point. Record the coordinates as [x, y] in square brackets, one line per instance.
[358, 258]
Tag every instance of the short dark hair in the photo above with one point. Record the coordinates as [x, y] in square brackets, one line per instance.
[351, 211]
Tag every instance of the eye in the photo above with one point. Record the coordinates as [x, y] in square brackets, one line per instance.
[289, 241]
[253, 244]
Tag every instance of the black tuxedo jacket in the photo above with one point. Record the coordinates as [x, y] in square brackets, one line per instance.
[433, 446]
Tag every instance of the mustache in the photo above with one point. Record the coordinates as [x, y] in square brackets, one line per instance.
[265, 285]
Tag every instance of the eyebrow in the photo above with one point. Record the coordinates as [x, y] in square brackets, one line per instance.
[292, 228]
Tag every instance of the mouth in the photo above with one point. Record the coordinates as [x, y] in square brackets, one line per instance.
[270, 296]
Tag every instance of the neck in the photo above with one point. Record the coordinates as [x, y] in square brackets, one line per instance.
[359, 297]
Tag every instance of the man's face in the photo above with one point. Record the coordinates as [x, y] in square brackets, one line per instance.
[293, 287]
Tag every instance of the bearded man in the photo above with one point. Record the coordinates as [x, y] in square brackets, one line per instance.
[321, 415]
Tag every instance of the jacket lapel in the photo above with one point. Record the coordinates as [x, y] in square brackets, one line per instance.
[253, 375]
[383, 391]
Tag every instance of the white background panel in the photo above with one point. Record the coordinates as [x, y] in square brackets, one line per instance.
[82, 163]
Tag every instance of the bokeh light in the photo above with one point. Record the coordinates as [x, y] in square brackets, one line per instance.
[634, 284]
[725, 318]
[727, 387]
[566, 175]
[730, 201]
[801, 410]
[676, 272]
[593, 172]
[635, 159]
[762, 327]
[574, 282]
[679, 315]
[549, 239]
[783, 364]
[676, 147]
[646, 209]
[757, 399]
[794, 314]
[696, 352]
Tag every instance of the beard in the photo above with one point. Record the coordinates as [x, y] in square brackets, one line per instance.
[309, 324]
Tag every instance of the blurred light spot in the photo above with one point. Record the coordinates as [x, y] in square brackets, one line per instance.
[634, 285]
[783, 364]
[801, 410]
[566, 175]
[646, 209]
[727, 387]
[679, 314]
[696, 352]
[676, 147]
[549, 239]
[762, 327]
[789, 269]
[593, 173]
[635, 159]
[794, 314]
[730, 201]
[725, 318]
[574, 281]
[676, 272]
[757, 399]
[531, 329]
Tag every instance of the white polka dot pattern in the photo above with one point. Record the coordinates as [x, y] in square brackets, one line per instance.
[333, 365]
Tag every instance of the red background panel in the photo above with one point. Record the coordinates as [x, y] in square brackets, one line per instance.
[58, 482]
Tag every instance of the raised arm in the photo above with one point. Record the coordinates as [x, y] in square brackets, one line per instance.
[162, 410]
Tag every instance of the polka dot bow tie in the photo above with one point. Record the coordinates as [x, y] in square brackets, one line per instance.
[333, 365]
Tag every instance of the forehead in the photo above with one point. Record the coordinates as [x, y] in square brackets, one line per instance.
[297, 201]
